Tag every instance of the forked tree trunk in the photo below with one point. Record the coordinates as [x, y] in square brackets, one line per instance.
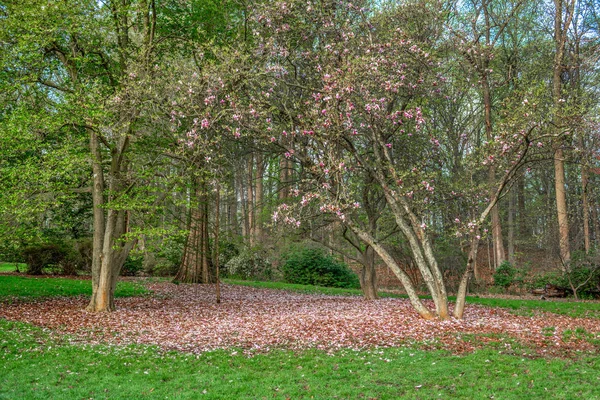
[389, 261]
[108, 255]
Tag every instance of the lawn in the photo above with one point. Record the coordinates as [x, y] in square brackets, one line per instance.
[12, 286]
[11, 267]
[36, 366]
[576, 309]
[295, 342]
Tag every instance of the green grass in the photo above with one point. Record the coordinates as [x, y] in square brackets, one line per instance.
[574, 309]
[12, 286]
[33, 366]
[521, 307]
[11, 267]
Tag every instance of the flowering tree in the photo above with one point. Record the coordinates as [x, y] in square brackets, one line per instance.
[359, 105]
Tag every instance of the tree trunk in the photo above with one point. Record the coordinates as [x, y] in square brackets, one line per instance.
[586, 208]
[400, 274]
[259, 195]
[596, 221]
[523, 228]
[561, 206]
[194, 266]
[511, 227]
[499, 255]
[250, 201]
[98, 213]
[368, 275]
[560, 39]
[108, 256]
[461, 295]
[216, 244]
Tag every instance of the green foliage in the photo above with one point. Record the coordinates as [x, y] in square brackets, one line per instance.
[311, 266]
[168, 255]
[61, 258]
[12, 267]
[28, 287]
[504, 275]
[250, 263]
[133, 265]
[583, 275]
[227, 250]
[135, 372]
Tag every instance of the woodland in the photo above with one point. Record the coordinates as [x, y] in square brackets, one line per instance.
[351, 188]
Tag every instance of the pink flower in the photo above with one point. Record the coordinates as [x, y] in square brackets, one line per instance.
[204, 124]
[388, 145]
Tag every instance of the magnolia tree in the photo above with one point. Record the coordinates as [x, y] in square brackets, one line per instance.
[346, 95]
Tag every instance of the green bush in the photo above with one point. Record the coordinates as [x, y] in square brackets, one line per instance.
[311, 266]
[60, 258]
[250, 264]
[504, 275]
[133, 264]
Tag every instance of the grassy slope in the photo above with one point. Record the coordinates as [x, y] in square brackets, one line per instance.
[525, 307]
[29, 287]
[34, 367]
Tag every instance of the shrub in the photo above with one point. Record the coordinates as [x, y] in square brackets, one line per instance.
[504, 275]
[85, 249]
[250, 264]
[61, 258]
[133, 264]
[311, 266]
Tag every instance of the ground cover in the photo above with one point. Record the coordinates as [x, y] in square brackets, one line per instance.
[37, 365]
[586, 309]
[18, 286]
[186, 318]
[272, 340]
[11, 267]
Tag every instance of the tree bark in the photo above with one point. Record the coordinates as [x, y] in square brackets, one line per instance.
[499, 255]
[250, 201]
[259, 197]
[560, 39]
[368, 275]
[586, 206]
[400, 274]
[195, 264]
[511, 227]
[521, 206]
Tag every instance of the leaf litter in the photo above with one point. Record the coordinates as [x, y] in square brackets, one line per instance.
[186, 318]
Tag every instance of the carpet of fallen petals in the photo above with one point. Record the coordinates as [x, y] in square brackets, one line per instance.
[186, 318]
